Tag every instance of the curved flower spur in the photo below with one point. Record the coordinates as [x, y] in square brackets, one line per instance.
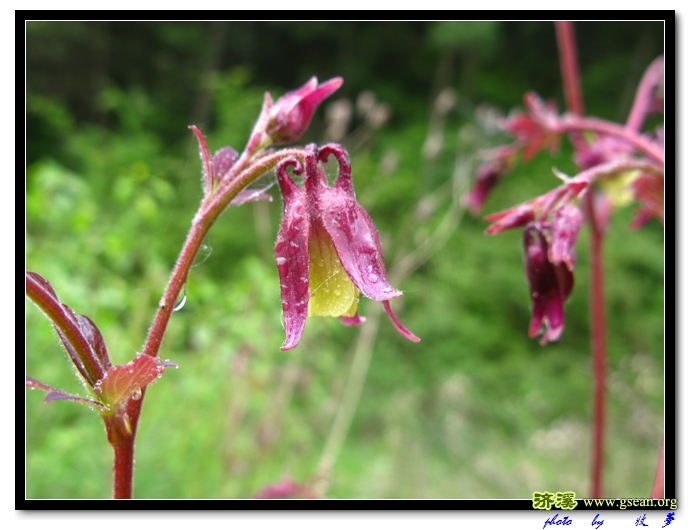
[328, 250]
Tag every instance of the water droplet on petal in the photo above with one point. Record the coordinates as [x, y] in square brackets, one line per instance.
[280, 261]
[373, 278]
[136, 395]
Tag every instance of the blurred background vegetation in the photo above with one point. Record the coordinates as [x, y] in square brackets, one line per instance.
[476, 410]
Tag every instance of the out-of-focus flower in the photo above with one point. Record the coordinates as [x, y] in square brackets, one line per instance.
[488, 175]
[534, 130]
[603, 149]
[286, 489]
[514, 217]
[338, 116]
[290, 114]
[565, 226]
[328, 250]
[549, 284]
[649, 190]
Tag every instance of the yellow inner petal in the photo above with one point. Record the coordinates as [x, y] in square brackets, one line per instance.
[332, 292]
[617, 188]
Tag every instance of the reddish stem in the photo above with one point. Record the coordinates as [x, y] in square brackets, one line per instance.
[639, 142]
[658, 487]
[651, 78]
[209, 211]
[598, 342]
[123, 469]
[566, 46]
[121, 438]
[569, 71]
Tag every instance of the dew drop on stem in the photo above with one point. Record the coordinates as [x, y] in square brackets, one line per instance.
[181, 299]
[203, 254]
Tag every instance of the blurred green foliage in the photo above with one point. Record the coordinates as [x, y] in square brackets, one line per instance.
[476, 410]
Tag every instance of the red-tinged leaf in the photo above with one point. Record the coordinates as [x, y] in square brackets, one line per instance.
[205, 159]
[73, 355]
[32, 383]
[222, 162]
[56, 395]
[42, 282]
[93, 336]
[126, 381]
[69, 328]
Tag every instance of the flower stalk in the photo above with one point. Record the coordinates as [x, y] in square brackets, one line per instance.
[566, 47]
[120, 390]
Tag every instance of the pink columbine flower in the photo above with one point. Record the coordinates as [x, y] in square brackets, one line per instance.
[291, 113]
[328, 250]
[550, 285]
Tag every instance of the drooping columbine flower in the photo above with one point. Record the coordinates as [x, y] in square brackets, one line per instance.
[328, 250]
[549, 284]
[290, 114]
